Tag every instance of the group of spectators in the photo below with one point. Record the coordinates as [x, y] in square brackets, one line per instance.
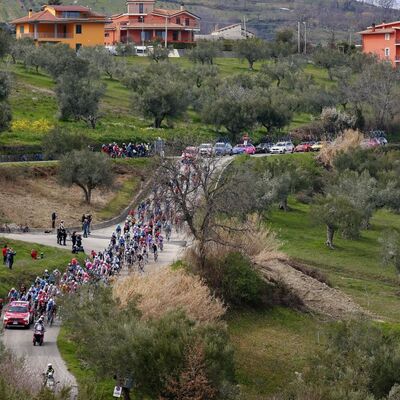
[126, 150]
[8, 256]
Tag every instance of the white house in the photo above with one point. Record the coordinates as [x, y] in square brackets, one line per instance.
[231, 32]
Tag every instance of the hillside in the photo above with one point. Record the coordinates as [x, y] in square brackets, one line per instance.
[326, 18]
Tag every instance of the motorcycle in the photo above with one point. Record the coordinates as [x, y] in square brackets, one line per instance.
[38, 336]
[48, 381]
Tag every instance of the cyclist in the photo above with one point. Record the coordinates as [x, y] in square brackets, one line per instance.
[155, 251]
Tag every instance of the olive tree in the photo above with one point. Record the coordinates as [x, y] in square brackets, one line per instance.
[231, 106]
[339, 214]
[390, 249]
[204, 52]
[79, 98]
[5, 43]
[252, 50]
[158, 93]
[5, 109]
[159, 53]
[99, 59]
[87, 170]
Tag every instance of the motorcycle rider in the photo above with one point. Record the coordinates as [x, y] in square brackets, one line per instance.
[48, 374]
[39, 325]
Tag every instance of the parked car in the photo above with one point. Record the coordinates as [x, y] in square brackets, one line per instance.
[222, 149]
[382, 140]
[244, 149]
[206, 149]
[317, 146]
[18, 313]
[189, 154]
[303, 147]
[282, 148]
[370, 143]
[263, 148]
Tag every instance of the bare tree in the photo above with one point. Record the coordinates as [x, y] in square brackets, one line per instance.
[207, 195]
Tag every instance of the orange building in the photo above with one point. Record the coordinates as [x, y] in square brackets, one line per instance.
[383, 40]
[143, 23]
[73, 25]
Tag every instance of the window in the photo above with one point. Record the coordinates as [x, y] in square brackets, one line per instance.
[141, 8]
[141, 18]
[22, 29]
[146, 35]
[387, 36]
[187, 21]
[387, 52]
[160, 34]
[78, 29]
[175, 36]
[71, 14]
[107, 34]
[178, 21]
[78, 46]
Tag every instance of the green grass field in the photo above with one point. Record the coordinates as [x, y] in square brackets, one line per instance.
[25, 269]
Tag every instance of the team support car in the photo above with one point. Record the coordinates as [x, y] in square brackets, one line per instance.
[282, 148]
[263, 148]
[189, 154]
[303, 147]
[222, 149]
[18, 313]
[206, 150]
[244, 149]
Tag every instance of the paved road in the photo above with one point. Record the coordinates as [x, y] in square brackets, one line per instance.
[37, 357]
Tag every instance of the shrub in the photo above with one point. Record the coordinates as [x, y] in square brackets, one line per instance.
[152, 350]
[240, 283]
[349, 140]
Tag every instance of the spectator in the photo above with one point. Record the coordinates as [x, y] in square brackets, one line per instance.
[53, 219]
[10, 258]
[34, 254]
[5, 248]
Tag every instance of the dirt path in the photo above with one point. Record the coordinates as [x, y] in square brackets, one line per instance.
[316, 296]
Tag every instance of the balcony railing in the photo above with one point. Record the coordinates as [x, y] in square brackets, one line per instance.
[47, 35]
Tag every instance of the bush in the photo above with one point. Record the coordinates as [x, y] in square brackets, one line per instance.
[155, 351]
[240, 284]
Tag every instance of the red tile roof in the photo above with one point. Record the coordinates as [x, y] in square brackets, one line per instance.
[377, 31]
[47, 16]
[38, 16]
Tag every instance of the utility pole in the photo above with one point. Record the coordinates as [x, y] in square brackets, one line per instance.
[298, 37]
[305, 37]
[244, 26]
[166, 32]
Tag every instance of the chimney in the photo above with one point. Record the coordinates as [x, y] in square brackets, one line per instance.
[373, 27]
[182, 6]
[30, 13]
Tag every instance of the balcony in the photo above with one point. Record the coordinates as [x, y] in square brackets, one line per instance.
[47, 35]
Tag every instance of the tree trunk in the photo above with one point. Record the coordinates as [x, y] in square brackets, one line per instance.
[89, 196]
[330, 232]
[283, 205]
[157, 122]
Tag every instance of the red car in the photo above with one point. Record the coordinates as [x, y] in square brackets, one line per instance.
[303, 147]
[18, 313]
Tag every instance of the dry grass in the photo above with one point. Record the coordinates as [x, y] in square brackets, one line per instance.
[349, 140]
[251, 237]
[165, 290]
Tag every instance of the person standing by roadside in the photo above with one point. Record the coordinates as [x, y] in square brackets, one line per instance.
[89, 218]
[10, 258]
[53, 219]
[4, 250]
[85, 227]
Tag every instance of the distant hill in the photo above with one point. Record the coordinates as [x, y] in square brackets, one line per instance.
[325, 18]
